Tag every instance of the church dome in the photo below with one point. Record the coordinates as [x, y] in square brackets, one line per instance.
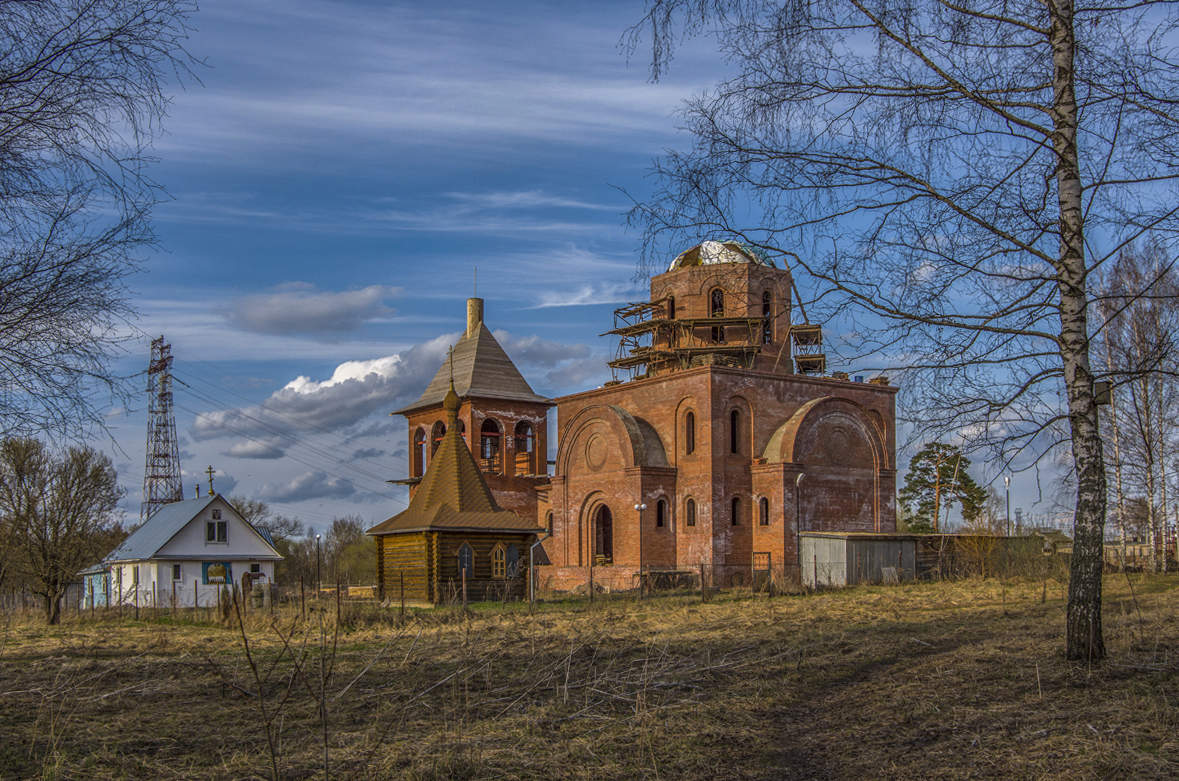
[710, 253]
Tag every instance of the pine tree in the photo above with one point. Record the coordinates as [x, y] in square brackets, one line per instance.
[939, 476]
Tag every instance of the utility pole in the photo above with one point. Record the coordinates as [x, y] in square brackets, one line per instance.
[161, 472]
[1007, 490]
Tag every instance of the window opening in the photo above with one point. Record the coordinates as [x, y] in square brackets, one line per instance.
[216, 531]
[736, 509]
[767, 334]
[175, 572]
[466, 560]
[661, 513]
[671, 307]
[216, 515]
[419, 452]
[690, 512]
[525, 448]
[499, 561]
[548, 521]
[489, 445]
[255, 568]
[513, 561]
[764, 511]
[603, 536]
[716, 308]
[436, 434]
[734, 427]
[690, 432]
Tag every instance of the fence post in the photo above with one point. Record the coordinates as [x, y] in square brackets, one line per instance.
[815, 570]
[173, 599]
[135, 582]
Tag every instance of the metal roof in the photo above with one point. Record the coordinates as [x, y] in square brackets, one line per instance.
[709, 253]
[166, 523]
[481, 369]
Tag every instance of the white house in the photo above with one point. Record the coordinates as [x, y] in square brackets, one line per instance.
[185, 553]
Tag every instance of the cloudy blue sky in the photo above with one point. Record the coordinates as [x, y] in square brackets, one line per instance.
[336, 180]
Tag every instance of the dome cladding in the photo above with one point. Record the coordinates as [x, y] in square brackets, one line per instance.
[710, 253]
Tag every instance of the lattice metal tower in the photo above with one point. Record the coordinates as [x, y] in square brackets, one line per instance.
[161, 473]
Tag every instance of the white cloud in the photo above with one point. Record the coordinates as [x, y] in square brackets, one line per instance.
[590, 294]
[255, 449]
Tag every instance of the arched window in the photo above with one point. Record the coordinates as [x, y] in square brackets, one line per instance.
[661, 513]
[463, 430]
[716, 308]
[525, 448]
[548, 521]
[690, 512]
[735, 510]
[436, 434]
[734, 431]
[419, 452]
[763, 507]
[489, 445]
[603, 536]
[767, 331]
[499, 561]
[466, 560]
[671, 307]
[690, 432]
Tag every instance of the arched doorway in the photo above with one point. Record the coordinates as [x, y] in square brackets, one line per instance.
[603, 536]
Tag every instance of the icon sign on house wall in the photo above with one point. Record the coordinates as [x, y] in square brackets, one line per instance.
[215, 573]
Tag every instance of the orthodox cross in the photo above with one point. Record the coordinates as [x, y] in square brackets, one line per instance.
[210, 472]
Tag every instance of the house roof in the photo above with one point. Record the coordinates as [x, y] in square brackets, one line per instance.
[481, 369]
[146, 541]
[453, 493]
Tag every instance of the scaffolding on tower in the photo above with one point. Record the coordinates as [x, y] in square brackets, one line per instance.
[161, 473]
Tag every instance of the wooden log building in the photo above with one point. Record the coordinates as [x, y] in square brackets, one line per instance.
[453, 531]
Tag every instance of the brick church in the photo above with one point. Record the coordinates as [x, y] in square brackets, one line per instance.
[720, 438]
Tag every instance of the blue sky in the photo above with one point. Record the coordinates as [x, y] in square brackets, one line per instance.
[336, 180]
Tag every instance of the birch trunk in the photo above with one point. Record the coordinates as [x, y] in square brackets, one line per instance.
[1083, 622]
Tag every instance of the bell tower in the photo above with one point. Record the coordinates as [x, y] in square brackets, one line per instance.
[503, 421]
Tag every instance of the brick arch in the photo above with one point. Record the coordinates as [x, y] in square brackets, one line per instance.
[842, 452]
[790, 440]
[634, 438]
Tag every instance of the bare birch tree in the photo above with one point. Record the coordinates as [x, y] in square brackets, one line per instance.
[1138, 345]
[82, 94]
[944, 176]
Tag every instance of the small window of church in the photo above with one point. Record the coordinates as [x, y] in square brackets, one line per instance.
[216, 514]
[764, 511]
[767, 331]
[466, 560]
[734, 431]
[489, 444]
[548, 521]
[690, 512]
[716, 308]
[690, 432]
[525, 448]
[436, 434]
[671, 307]
[736, 511]
[499, 561]
[661, 513]
[175, 572]
[419, 452]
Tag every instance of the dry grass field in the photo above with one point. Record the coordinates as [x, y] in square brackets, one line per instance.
[940, 680]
